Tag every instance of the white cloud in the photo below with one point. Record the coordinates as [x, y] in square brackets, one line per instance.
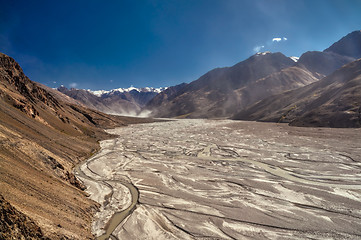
[73, 85]
[278, 39]
[258, 48]
[269, 44]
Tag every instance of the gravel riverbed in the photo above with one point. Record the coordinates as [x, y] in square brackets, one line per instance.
[222, 179]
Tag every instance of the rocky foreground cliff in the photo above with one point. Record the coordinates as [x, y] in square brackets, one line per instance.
[43, 135]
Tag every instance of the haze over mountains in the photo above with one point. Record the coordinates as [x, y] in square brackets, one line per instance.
[220, 92]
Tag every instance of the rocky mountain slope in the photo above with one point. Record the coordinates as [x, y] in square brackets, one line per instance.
[118, 101]
[334, 101]
[42, 138]
[16, 225]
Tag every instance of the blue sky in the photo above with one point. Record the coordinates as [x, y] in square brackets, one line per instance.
[110, 44]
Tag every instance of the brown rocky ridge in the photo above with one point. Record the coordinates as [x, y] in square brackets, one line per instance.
[43, 135]
[16, 225]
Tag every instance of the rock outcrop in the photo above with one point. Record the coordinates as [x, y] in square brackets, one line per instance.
[16, 225]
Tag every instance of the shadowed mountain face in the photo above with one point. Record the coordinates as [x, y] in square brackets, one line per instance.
[345, 50]
[350, 45]
[334, 101]
[43, 135]
[322, 64]
[220, 92]
[230, 78]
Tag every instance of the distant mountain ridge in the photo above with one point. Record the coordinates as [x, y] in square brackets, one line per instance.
[100, 93]
[120, 101]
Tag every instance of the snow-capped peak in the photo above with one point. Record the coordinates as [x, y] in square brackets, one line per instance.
[152, 89]
[131, 88]
[263, 53]
[99, 93]
[295, 58]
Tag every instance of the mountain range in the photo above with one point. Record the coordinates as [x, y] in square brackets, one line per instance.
[121, 101]
[223, 92]
[265, 79]
[234, 92]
